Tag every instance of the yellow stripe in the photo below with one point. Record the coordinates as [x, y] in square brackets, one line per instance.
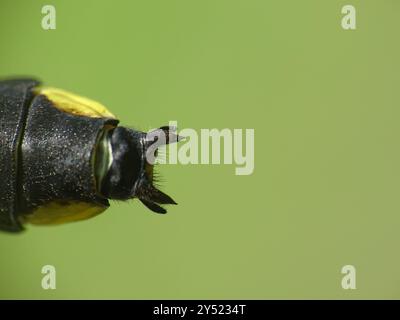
[62, 212]
[74, 104]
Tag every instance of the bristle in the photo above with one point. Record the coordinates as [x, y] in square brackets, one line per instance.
[157, 176]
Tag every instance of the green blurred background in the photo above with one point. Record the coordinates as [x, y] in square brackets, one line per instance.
[324, 104]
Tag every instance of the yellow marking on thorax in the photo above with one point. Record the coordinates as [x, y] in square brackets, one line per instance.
[59, 212]
[74, 104]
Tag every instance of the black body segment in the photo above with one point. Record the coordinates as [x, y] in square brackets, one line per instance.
[15, 96]
[46, 154]
[58, 157]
